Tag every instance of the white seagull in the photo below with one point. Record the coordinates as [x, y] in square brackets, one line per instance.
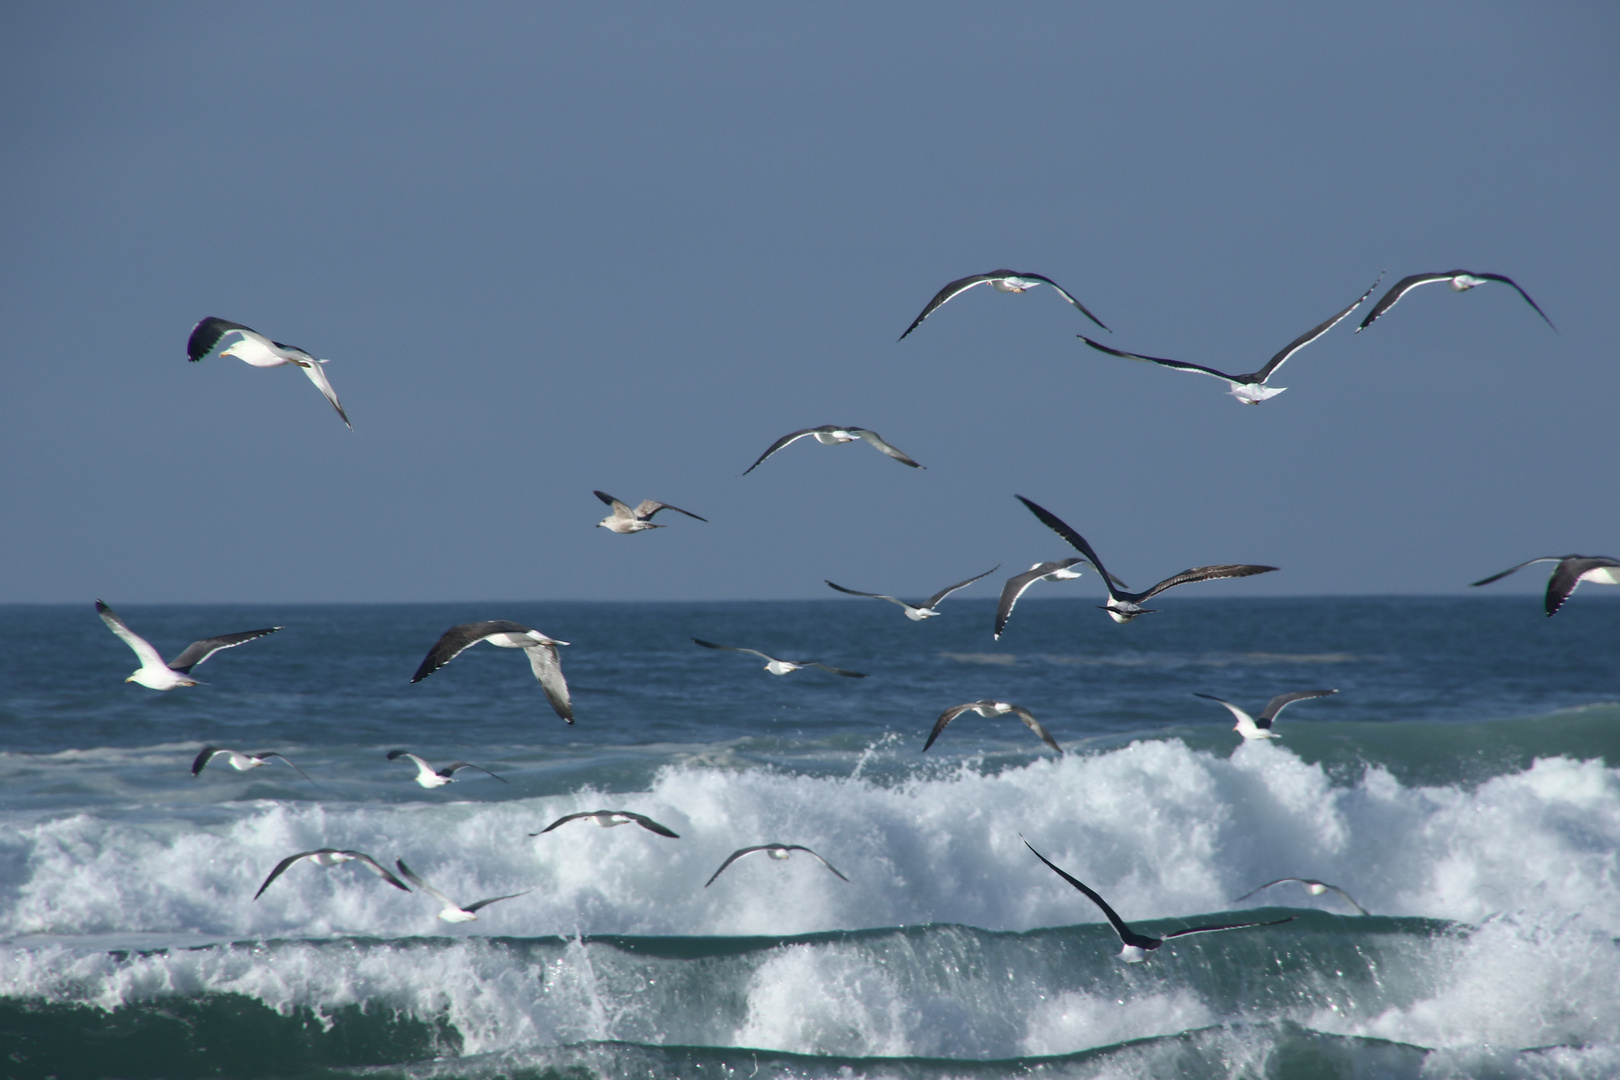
[775, 851]
[1124, 606]
[1009, 281]
[1259, 727]
[331, 857]
[625, 520]
[254, 348]
[991, 708]
[541, 650]
[832, 435]
[1569, 573]
[453, 912]
[926, 609]
[242, 762]
[608, 819]
[1019, 583]
[1250, 389]
[153, 672]
[1137, 946]
[1461, 281]
[1315, 888]
[429, 777]
[781, 667]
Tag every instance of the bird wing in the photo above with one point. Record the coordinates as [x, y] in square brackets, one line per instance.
[650, 825]
[565, 819]
[873, 595]
[893, 451]
[733, 857]
[288, 861]
[1504, 279]
[943, 593]
[317, 375]
[454, 766]
[1400, 289]
[493, 899]
[420, 884]
[148, 656]
[203, 759]
[1226, 926]
[547, 669]
[1015, 587]
[1267, 885]
[1179, 365]
[733, 648]
[1281, 701]
[1509, 570]
[395, 755]
[944, 720]
[206, 334]
[1306, 338]
[829, 667]
[198, 651]
[1241, 716]
[380, 870]
[456, 640]
[1035, 726]
[620, 510]
[779, 443]
[283, 758]
[649, 507]
[1061, 291]
[1567, 575]
[1207, 573]
[1076, 541]
[1348, 899]
[824, 862]
[1126, 934]
[949, 292]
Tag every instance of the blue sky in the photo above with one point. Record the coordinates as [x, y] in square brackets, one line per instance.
[556, 248]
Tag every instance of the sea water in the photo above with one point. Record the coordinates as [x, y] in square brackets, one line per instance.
[1462, 786]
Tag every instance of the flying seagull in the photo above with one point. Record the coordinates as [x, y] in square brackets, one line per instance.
[831, 435]
[1570, 572]
[429, 777]
[1124, 606]
[542, 651]
[926, 609]
[991, 708]
[781, 667]
[1250, 389]
[775, 851]
[242, 762]
[1315, 888]
[331, 857]
[1461, 281]
[607, 819]
[1018, 583]
[1259, 727]
[153, 672]
[453, 912]
[1002, 281]
[625, 520]
[254, 348]
[1137, 946]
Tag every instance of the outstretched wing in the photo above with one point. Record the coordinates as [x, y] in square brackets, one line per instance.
[1307, 337]
[1567, 575]
[285, 761]
[1207, 573]
[873, 595]
[824, 862]
[1035, 726]
[1015, 587]
[455, 766]
[1126, 934]
[1509, 281]
[893, 451]
[565, 819]
[619, 508]
[410, 876]
[1061, 291]
[494, 899]
[954, 289]
[206, 334]
[934, 600]
[1076, 541]
[317, 375]
[649, 507]
[149, 656]
[198, 651]
[733, 857]
[203, 758]
[1512, 569]
[1179, 365]
[1236, 712]
[288, 861]
[1400, 289]
[778, 444]
[944, 721]
[829, 667]
[733, 648]
[1226, 926]
[547, 668]
[1281, 701]
[379, 869]
[456, 640]
[650, 825]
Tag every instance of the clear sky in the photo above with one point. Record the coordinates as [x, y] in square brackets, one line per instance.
[551, 248]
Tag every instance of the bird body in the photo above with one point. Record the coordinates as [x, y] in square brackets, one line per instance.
[1459, 280]
[926, 609]
[1259, 727]
[833, 435]
[540, 649]
[333, 857]
[625, 520]
[609, 819]
[1567, 575]
[252, 347]
[781, 667]
[1007, 281]
[240, 761]
[991, 708]
[452, 912]
[157, 675]
[780, 852]
[429, 777]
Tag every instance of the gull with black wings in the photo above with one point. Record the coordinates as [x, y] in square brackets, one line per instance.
[1008, 281]
[332, 857]
[991, 708]
[157, 675]
[452, 911]
[252, 347]
[779, 852]
[781, 667]
[1312, 886]
[1259, 727]
[926, 609]
[242, 762]
[625, 520]
[1567, 575]
[833, 435]
[429, 777]
[541, 650]
[608, 819]
[1460, 281]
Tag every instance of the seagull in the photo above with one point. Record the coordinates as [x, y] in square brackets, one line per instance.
[775, 851]
[331, 857]
[1569, 573]
[428, 777]
[1315, 888]
[1250, 389]
[1137, 946]
[242, 762]
[782, 667]
[1002, 281]
[1461, 281]
[254, 348]
[831, 435]
[926, 609]
[1042, 571]
[625, 520]
[1259, 727]
[453, 912]
[153, 672]
[542, 652]
[609, 818]
[990, 708]
[1124, 606]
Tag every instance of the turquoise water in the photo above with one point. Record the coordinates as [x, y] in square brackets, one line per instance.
[1463, 786]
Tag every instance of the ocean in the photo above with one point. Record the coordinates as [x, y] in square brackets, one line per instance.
[1463, 786]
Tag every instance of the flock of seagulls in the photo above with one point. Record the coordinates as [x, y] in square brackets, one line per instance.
[1122, 605]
